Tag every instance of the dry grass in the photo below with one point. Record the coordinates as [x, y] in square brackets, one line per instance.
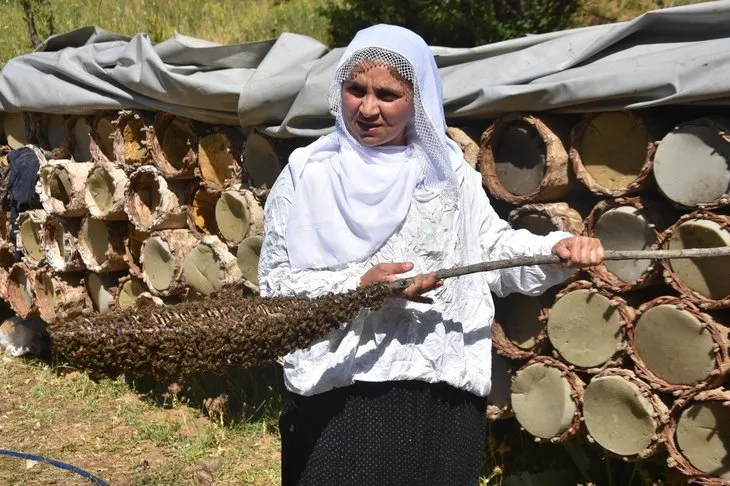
[118, 434]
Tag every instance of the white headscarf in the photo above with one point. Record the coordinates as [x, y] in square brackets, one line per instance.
[349, 198]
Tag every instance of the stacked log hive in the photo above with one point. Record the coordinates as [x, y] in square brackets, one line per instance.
[150, 207]
[638, 349]
[133, 205]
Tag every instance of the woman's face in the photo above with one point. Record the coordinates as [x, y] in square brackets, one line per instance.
[376, 106]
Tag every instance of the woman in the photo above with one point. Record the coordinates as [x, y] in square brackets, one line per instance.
[398, 395]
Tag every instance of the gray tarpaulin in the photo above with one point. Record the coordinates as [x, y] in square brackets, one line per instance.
[672, 56]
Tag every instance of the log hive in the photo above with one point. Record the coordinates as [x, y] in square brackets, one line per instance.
[519, 329]
[498, 400]
[101, 144]
[101, 244]
[62, 187]
[523, 160]
[162, 258]
[29, 239]
[625, 224]
[16, 127]
[697, 437]
[60, 296]
[130, 138]
[677, 348]
[145, 259]
[218, 154]
[154, 203]
[19, 291]
[61, 244]
[104, 192]
[705, 142]
[586, 327]
[172, 145]
[611, 153]
[209, 266]
[545, 398]
[617, 396]
[79, 134]
[238, 215]
[542, 218]
[247, 258]
[468, 146]
[703, 281]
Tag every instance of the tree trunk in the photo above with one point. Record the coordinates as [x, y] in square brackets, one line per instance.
[30, 236]
[172, 143]
[61, 186]
[104, 192]
[218, 156]
[209, 266]
[20, 295]
[153, 203]
[130, 139]
[162, 257]
[102, 244]
[61, 244]
[239, 215]
[60, 296]
[133, 251]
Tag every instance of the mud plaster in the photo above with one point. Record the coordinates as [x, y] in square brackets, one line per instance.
[538, 224]
[176, 142]
[519, 158]
[232, 216]
[129, 292]
[674, 345]
[101, 187]
[708, 276]
[617, 416]
[30, 235]
[248, 258]
[613, 149]
[692, 165]
[201, 270]
[262, 161]
[100, 292]
[625, 228]
[502, 373]
[703, 436]
[159, 263]
[541, 401]
[96, 238]
[104, 130]
[584, 328]
[204, 211]
[15, 132]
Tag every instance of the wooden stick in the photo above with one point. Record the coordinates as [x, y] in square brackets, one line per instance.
[552, 259]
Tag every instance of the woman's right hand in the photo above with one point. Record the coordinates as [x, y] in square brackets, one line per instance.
[388, 272]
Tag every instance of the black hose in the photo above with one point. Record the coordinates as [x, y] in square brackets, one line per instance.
[58, 464]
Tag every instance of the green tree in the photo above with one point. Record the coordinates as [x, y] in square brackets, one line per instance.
[453, 23]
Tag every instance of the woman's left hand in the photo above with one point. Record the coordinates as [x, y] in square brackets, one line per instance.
[579, 251]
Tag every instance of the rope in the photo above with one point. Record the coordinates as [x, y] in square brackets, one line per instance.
[58, 464]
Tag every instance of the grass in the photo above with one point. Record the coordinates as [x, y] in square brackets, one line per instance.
[125, 435]
[223, 21]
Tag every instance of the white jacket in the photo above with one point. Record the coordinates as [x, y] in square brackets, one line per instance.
[448, 341]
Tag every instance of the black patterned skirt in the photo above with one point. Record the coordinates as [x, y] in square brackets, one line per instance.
[394, 433]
